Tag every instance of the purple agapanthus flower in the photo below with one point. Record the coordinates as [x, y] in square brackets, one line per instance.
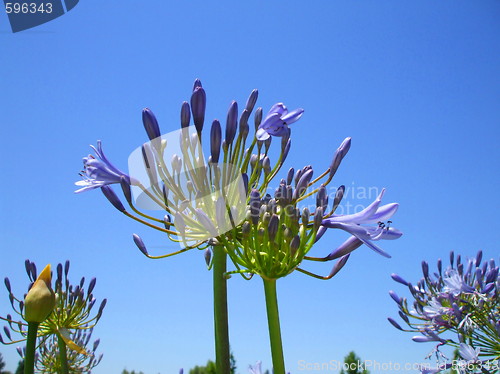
[256, 369]
[98, 171]
[373, 213]
[468, 353]
[435, 309]
[277, 121]
[454, 283]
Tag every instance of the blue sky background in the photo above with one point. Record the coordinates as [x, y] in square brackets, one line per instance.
[416, 84]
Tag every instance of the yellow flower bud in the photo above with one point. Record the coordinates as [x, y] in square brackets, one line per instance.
[40, 300]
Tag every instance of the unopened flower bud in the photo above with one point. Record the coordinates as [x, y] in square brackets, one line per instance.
[231, 122]
[40, 300]
[252, 99]
[185, 114]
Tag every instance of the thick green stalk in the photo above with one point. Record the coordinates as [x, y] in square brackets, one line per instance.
[220, 312]
[63, 355]
[29, 357]
[273, 320]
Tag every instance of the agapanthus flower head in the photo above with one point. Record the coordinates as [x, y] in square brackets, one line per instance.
[79, 360]
[223, 200]
[457, 306]
[277, 120]
[70, 318]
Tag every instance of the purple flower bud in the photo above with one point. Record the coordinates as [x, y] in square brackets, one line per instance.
[91, 286]
[302, 184]
[440, 266]
[185, 114]
[244, 177]
[404, 317]
[345, 248]
[96, 344]
[339, 155]
[244, 123]
[289, 177]
[479, 257]
[425, 269]
[66, 268]
[322, 197]
[101, 308]
[488, 288]
[113, 199]
[198, 105]
[7, 332]
[197, 83]
[398, 279]
[305, 215]
[452, 256]
[254, 205]
[258, 118]
[394, 323]
[318, 217]
[491, 275]
[208, 256]
[215, 140]
[231, 122]
[7, 284]
[167, 221]
[339, 194]
[252, 99]
[150, 124]
[140, 244]
[126, 188]
[272, 228]
[294, 245]
[395, 297]
[338, 265]
[266, 165]
[59, 271]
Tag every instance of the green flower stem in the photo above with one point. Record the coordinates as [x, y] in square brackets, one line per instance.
[63, 355]
[220, 311]
[273, 320]
[29, 357]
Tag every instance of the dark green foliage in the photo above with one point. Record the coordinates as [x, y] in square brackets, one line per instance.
[131, 372]
[2, 363]
[20, 367]
[353, 365]
[2, 366]
[210, 367]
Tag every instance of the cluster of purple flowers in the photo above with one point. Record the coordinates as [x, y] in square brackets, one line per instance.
[263, 224]
[457, 306]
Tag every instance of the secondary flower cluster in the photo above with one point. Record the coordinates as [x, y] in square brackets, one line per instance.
[462, 299]
[70, 323]
[223, 200]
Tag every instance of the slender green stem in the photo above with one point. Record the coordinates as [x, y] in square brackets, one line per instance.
[63, 355]
[220, 312]
[273, 320]
[29, 357]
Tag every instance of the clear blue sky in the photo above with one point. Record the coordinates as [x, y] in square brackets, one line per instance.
[416, 84]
